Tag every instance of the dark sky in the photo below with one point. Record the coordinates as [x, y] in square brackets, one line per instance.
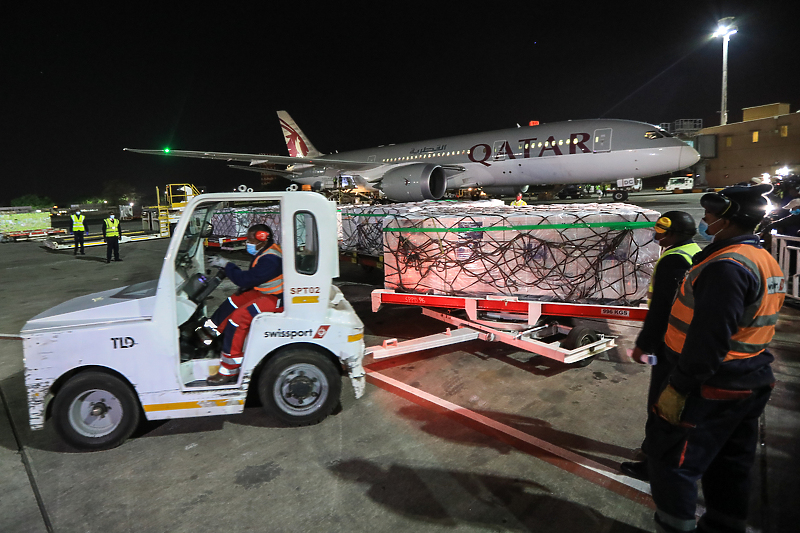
[81, 84]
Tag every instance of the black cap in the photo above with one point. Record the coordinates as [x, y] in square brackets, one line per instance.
[744, 205]
[676, 222]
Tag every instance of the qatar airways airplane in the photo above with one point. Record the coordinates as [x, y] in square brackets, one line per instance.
[500, 162]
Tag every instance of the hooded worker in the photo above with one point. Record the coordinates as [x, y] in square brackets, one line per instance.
[674, 232]
[719, 327]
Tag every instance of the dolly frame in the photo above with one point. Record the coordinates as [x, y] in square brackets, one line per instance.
[521, 328]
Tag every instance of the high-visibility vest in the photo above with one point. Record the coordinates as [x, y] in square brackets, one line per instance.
[77, 222]
[275, 285]
[112, 227]
[757, 325]
[518, 203]
[687, 251]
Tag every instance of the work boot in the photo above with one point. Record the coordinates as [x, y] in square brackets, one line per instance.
[117, 259]
[636, 470]
[221, 379]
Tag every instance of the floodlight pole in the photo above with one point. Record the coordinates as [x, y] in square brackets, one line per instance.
[724, 112]
[725, 30]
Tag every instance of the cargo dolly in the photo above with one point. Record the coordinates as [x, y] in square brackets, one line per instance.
[525, 324]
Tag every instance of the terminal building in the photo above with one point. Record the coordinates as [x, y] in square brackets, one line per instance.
[767, 141]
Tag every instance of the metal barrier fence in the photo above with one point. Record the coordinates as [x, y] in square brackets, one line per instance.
[786, 250]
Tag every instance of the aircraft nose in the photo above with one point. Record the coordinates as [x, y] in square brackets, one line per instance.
[688, 157]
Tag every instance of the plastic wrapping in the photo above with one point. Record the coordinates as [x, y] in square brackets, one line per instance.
[584, 253]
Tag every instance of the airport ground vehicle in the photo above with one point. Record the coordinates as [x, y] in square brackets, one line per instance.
[682, 182]
[108, 358]
[572, 191]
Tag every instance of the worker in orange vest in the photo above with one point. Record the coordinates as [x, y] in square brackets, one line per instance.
[719, 327]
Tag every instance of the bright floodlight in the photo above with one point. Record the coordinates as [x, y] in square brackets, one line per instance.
[783, 171]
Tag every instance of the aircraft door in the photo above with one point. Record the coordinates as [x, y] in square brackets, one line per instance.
[499, 151]
[602, 140]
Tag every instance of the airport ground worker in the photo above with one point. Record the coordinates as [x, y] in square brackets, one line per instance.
[719, 327]
[519, 201]
[674, 231]
[111, 234]
[78, 231]
[260, 291]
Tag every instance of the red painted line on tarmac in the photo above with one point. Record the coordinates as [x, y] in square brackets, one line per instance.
[566, 460]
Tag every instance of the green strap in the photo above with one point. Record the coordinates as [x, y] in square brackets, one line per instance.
[580, 225]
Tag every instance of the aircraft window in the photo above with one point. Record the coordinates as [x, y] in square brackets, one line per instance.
[560, 142]
[547, 144]
[540, 144]
[653, 135]
[575, 140]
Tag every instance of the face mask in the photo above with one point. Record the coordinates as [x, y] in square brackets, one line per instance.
[78, 213]
[795, 211]
[111, 217]
[702, 230]
[251, 248]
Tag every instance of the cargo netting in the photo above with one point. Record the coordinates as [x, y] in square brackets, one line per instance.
[584, 253]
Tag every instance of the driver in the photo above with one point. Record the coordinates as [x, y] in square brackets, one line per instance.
[260, 291]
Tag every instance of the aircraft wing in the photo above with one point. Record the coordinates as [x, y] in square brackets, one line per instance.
[261, 158]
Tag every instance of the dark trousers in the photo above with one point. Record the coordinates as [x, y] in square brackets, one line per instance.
[718, 446]
[659, 374]
[112, 245]
[78, 236]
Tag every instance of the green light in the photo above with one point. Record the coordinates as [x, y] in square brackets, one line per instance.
[166, 150]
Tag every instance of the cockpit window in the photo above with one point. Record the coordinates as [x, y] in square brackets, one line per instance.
[658, 133]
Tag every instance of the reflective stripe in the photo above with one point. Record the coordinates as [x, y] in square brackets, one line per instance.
[687, 251]
[275, 285]
[256, 307]
[77, 222]
[112, 227]
[233, 304]
[675, 522]
[757, 325]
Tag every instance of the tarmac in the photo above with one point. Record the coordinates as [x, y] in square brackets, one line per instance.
[472, 437]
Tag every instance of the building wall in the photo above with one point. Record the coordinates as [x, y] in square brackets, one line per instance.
[749, 149]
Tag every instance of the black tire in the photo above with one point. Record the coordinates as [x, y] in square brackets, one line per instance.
[619, 196]
[95, 411]
[577, 337]
[300, 386]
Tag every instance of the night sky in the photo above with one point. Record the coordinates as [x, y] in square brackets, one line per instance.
[81, 84]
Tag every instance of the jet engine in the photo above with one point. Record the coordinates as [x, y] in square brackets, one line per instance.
[414, 182]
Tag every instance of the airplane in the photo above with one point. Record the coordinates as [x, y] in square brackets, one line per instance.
[501, 162]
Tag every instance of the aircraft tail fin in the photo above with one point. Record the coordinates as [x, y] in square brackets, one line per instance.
[296, 141]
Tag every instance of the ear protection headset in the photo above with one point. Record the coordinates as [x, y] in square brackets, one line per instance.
[261, 236]
[719, 205]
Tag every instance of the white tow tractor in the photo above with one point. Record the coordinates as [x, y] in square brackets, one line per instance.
[97, 363]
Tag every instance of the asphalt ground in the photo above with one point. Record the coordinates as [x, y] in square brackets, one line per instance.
[472, 437]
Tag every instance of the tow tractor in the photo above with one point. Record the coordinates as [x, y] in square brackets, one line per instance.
[97, 363]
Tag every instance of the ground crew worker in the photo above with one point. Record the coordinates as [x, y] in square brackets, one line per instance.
[519, 202]
[674, 232]
[719, 327]
[78, 230]
[260, 291]
[111, 234]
